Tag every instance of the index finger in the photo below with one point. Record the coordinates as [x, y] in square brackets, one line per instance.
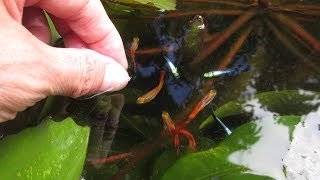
[89, 21]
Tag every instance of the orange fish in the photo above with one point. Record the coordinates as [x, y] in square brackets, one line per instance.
[175, 132]
[169, 124]
[204, 101]
[153, 93]
[191, 140]
[134, 47]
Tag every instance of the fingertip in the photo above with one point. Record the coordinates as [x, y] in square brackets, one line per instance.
[115, 78]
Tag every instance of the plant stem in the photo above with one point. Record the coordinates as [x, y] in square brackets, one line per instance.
[235, 48]
[296, 28]
[289, 45]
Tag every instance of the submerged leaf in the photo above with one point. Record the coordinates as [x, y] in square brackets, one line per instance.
[285, 102]
[52, 150]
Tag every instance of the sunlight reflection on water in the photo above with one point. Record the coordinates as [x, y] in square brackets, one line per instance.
[265, 156]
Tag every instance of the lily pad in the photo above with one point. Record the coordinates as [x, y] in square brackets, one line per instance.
[51, 150]
[241, 155]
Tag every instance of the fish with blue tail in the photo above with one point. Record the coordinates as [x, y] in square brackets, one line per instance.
[240, 66]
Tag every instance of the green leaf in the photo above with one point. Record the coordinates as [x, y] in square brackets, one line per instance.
[54, 33]
[161, 165]
[161, 4]
[247, 142]
[285, 102]
[52, 150]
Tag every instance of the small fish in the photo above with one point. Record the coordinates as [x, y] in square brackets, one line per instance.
[176, 131]
[201, 104]
[153, 93]
[204, 102]
[173, 69]
[169, 124]
[191, 140]
[133, 48]
[239, 67]
[226, 129]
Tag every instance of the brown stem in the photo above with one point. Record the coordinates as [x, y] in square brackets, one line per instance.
[155, 50]
[222, 2]
[110, 159]
[183, 14]
[300, 7]
[224, 36]
[212, 37]
[289, 45]
[296, 28]
[315, 13]
[235, 48]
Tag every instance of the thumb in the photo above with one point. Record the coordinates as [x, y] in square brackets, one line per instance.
[79, 72]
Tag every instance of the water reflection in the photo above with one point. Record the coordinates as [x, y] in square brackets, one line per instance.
[274, 154]
[104, 125]
[265, 156]
[303, 159]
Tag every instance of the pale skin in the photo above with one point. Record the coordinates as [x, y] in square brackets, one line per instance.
[30, 70]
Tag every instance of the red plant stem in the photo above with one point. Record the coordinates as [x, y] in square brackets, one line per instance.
[110, 159]
[300, 7]
[140, 155]
[235, 48]
[155, 50]
[315, 13]
[307, 19]
[286, 42]
[296, 28]
[224, 36]
[183, 14]
[222, 2]
[298, 39]
[152, 50]
[211, 37]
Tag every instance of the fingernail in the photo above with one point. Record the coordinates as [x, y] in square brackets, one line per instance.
[115, 78]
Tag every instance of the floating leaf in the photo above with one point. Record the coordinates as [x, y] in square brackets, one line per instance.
[52, 150]
[235, 156]
[161, 4]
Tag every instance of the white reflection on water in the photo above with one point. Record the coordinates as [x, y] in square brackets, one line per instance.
[303, 158]
[315, 101]
[265, 156]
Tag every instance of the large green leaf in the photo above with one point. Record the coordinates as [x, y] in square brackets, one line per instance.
[287, 102]
[235, 156]
[52, 150]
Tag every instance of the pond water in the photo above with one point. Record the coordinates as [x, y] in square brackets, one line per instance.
[199, 37]
[266, 59]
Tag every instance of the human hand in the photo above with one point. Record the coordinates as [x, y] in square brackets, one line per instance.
[94, 60]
